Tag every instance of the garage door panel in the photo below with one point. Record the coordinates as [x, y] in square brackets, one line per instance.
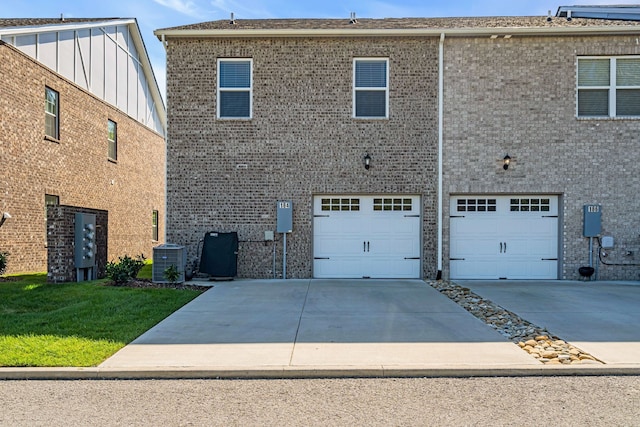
[367, 236]
[345, 267]
[396, 267]
[512, 237]
[474, 269]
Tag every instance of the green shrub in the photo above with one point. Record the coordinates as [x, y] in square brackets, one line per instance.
[3, 262]
[125, 269]
[171, 273]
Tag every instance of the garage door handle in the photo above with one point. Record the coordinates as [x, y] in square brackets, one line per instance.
[505, 247]
[317, 257]
[500, 247]
[417, 257]
[456, 259]
[549, 259]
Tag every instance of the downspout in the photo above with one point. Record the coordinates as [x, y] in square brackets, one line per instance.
[166, 151]
[440, 137]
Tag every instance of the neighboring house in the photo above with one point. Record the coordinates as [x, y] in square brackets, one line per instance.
[82, 125]
[270, 110]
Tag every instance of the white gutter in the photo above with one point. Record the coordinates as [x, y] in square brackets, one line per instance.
[440, 145]
[434, 32]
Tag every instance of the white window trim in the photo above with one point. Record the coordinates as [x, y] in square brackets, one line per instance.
[612, 87]
[112, 141]
[385, 89]
[55, 116]
[250, 89]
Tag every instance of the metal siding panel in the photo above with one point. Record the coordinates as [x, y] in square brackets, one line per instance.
[110, 68]
[48, 49]
[66, 55]
[83, 58]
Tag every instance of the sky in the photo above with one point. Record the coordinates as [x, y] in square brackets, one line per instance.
[155, 14]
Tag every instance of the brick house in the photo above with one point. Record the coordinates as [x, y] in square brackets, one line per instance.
[82, 125]
[415, 147]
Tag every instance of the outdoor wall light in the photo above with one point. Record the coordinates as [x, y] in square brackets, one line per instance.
[506, 162]
[5, 216]
[367, 161]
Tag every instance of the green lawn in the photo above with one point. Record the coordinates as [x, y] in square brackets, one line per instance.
[76, 324]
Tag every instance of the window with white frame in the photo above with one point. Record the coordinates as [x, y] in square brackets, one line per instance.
[235, 88]
[112, 137]
[371, 88]
[51, 113]
[609, 86]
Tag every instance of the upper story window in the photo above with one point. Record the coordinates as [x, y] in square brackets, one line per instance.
[51, 113]
[235, 88]
[112, 137]
[371, 88]
[609, 86]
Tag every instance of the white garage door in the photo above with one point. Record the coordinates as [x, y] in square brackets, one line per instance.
[504, 237]
[366, 236]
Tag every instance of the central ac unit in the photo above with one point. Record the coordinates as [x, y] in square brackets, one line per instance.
[164, 256]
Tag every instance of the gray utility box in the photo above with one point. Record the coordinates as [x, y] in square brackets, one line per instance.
[85, 240]
[164, 256]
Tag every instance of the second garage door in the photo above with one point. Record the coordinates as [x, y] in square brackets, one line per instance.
[366, 236]
[504, 237]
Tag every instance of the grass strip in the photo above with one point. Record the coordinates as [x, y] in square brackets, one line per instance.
[76, 324]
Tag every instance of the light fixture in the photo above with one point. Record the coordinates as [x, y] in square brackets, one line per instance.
[5, 216]
[367, 161]
[506, 162]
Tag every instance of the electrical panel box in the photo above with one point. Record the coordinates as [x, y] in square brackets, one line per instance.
[284, 216]
[592, 225]
[85, 240]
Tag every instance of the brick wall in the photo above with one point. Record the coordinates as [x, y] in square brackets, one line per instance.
[61, 242]
[226, 175]
[75, 168]
[518, 96]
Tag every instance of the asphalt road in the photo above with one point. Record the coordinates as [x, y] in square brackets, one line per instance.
[558, 401]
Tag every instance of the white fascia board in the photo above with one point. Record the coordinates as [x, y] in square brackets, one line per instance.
[425, 32]
[39, 29]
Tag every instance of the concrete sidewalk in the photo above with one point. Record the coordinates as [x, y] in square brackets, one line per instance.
[331, 328]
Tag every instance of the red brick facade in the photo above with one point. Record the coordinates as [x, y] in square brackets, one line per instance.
[75, 168]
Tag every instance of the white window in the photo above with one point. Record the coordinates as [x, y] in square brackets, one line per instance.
[371, 88]
[112, 137]
[51, 113]
[235, 88]
[609, 86]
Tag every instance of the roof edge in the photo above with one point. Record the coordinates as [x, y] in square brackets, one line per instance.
[451, 32]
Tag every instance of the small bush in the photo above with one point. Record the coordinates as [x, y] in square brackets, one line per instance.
[126, 269]
[3, 262]
[171, 273]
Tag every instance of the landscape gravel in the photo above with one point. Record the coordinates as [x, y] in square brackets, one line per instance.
[535, 340]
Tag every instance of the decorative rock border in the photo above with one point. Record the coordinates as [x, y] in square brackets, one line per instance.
[533, 339]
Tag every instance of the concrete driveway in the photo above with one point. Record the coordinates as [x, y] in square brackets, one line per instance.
[349, 326]
[262, 328]
[602, 318]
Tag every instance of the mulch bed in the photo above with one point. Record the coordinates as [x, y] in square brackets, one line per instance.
[146, 283]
